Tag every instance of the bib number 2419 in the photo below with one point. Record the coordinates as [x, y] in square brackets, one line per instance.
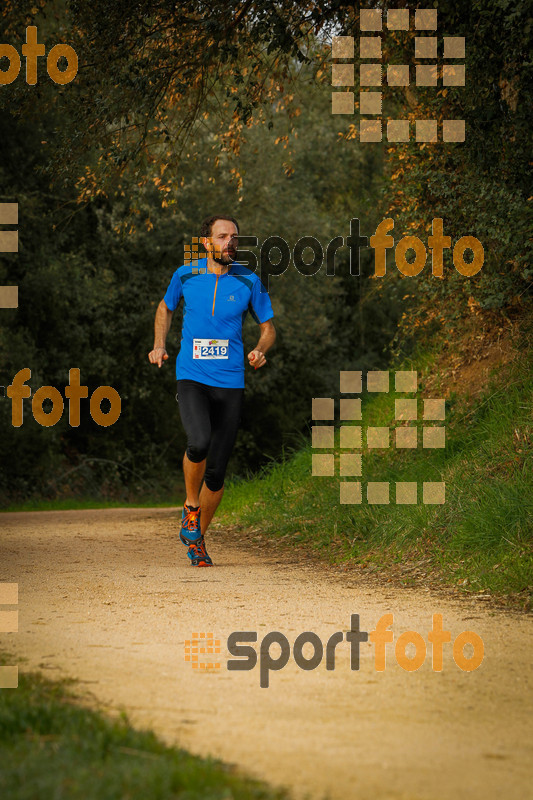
[210, 348]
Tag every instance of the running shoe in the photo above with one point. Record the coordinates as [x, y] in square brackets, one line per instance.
[192, 538]
[197, 554]
[190, 522]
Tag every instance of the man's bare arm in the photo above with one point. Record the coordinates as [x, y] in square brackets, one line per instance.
[163, 319]
[266, 339]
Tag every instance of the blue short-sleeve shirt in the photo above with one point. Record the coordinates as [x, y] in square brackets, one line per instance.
[214, 310]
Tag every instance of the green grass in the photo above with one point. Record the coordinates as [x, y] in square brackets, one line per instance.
[74, 503]
[53, 747]
[481, 538]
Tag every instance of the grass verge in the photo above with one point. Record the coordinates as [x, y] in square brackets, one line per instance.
[480, 539]
[74, 503]
[53, 747]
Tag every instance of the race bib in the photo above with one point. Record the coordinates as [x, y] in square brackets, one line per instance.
[210, 348]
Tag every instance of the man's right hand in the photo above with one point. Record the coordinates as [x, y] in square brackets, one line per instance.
[157, 356]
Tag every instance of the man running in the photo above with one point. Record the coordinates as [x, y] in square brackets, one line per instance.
[217, 294]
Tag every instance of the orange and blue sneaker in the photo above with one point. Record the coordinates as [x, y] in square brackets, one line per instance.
[192, 538]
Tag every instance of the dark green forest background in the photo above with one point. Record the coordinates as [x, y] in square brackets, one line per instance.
[180, 110]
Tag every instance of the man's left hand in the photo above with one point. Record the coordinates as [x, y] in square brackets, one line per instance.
[257, 359]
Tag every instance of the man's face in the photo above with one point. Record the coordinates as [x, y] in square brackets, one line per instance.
[223, 242]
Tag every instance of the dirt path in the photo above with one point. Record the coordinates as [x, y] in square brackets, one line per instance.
[108, 597]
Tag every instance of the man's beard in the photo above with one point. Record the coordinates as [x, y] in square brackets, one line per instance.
[224, 259]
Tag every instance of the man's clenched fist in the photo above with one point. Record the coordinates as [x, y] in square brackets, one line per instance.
[157, 356]
[256, 358]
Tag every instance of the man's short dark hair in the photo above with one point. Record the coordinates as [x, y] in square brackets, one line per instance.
[207, 224]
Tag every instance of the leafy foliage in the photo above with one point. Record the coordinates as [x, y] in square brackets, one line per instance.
[184, 109]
